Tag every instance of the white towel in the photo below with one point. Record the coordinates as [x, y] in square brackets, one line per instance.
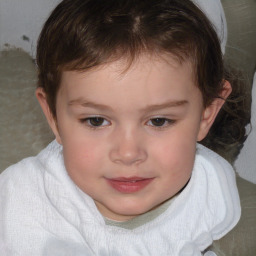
[42, 212]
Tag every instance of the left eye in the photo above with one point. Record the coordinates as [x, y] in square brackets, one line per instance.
[159, 122]
[96, 121]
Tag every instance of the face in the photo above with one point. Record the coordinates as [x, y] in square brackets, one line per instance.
[129, 136]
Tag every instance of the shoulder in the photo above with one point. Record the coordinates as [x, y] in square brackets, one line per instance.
[223, 197]
[213, 162]
[24, 203]
[19, 174]
[241, 240]
[30, 165]
[26, 176]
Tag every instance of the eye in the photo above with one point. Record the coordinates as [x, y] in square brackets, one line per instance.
[95, 121]
[160, 122]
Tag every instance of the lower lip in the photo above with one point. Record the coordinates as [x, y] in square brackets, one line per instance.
[129, 186]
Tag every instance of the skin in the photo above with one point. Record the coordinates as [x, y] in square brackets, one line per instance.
[128, 140]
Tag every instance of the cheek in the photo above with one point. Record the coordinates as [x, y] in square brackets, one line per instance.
[83, 163]
[82, 157]
[176, 155]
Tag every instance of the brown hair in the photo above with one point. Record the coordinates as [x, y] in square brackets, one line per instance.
[82, 34]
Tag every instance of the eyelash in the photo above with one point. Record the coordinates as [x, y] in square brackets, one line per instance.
[164, 122]
[89, 122]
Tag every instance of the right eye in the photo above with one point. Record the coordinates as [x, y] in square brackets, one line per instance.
[160, 122]
[95, 122]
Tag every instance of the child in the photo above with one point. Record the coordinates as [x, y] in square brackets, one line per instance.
[128, 87]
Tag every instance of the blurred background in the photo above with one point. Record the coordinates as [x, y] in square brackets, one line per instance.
[241, 45]
[23, 129]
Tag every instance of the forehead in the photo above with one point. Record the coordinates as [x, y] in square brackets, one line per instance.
[150, 79]
[124, 66]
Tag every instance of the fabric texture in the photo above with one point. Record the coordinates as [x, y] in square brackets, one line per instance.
[44, 213]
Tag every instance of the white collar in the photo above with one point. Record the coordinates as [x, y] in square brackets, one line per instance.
[206, 210]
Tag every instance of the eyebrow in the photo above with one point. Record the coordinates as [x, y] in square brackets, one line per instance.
[88, 104]
[169, 104]
[154, 107]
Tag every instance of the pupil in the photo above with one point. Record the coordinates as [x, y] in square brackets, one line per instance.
[96, 121]
[158, 121]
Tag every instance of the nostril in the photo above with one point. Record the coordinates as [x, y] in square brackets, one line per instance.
[128, 156]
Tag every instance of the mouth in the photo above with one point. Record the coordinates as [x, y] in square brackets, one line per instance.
[129, 185]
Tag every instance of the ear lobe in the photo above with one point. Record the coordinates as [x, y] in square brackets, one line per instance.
[42, 99]
[210, 112]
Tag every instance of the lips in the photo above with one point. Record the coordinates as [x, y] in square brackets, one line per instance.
[129, 185]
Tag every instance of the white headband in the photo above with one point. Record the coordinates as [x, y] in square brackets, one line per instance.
[214, 11]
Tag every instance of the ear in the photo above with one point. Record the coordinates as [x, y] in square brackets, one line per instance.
[52, 121]
[209, 114]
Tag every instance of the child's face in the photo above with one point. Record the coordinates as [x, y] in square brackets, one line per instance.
[129, 137]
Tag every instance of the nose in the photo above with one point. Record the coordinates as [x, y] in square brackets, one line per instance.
[128, 148]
